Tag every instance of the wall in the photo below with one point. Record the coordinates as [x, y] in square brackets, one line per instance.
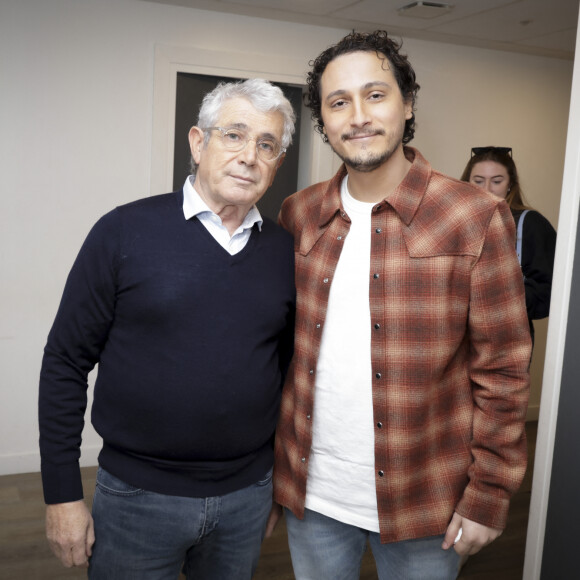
[554, 509]
[76, 139]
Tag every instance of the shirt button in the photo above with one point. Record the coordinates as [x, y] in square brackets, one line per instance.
[377, 326]
[308, 417]
[375, 276]
[379, 425]
[303, 460]
[378, 230]
[378, 375]
[311, 371]
[325, 280]
[318, 326]
[381, 472]
[339, 238]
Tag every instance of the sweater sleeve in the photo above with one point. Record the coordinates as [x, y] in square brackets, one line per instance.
[73, 348]
[538, 249]
[500, 354]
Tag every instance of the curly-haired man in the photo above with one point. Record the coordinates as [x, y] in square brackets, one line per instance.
[402, 418]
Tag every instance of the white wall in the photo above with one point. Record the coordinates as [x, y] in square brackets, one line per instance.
[76, 139]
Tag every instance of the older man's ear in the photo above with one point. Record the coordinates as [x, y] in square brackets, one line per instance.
[195, 142]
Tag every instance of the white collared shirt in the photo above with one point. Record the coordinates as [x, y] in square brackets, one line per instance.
[193, 205]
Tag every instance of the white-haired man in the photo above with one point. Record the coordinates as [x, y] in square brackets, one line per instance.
[186, 302]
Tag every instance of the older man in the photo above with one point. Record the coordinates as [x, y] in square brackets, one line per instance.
[186, 302]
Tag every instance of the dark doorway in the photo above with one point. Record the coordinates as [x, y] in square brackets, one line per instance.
[190, 91]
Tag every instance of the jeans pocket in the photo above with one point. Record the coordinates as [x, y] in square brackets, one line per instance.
[267, 479]
[111, 485]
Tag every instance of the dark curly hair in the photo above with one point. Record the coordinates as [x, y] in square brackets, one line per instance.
[378, 42]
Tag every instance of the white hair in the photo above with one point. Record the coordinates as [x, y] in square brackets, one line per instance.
[264, 97]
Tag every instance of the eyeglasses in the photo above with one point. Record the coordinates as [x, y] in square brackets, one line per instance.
[267, 149]
[482, 150]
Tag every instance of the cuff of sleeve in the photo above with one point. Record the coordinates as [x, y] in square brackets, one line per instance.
[485, 509]
[61, 483]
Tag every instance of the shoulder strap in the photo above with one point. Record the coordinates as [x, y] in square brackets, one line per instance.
[520, 230]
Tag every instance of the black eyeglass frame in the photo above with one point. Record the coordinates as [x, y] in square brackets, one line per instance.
[482, 150]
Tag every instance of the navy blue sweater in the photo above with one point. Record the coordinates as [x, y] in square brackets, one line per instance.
[191, 345]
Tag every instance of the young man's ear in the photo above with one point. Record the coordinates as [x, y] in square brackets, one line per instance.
[196, 137]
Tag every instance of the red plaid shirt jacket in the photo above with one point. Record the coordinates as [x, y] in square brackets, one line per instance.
[450, 350]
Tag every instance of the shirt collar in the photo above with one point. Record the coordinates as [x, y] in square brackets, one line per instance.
[331, 202]
[405, 200]
[194, 205]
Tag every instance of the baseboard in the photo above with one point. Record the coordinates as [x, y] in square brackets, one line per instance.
[30, 462]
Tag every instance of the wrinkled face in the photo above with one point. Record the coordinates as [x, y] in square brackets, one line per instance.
[235, 178]
[491, 176]
[363, 110]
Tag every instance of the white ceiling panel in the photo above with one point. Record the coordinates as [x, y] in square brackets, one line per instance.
[517, 21]
[556, 41]
[542, 27]
[386, 12]
[301, 6]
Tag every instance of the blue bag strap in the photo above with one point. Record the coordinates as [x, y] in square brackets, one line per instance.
[520, 230]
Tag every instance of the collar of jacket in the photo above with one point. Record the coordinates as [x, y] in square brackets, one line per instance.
[405, 200]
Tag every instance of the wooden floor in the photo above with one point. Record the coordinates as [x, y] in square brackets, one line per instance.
[24, 553]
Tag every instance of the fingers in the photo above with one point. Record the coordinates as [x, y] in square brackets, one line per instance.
[452, 532]
[70, 533]
[90, 539]
[70, 553]
[474, 537]
[273, 519]
[80, 558]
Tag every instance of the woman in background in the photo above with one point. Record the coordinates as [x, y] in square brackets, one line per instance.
[493, 169]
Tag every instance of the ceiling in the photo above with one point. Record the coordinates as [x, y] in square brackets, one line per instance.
[539, 27]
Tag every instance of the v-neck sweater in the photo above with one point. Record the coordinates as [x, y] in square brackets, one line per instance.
[191, 343]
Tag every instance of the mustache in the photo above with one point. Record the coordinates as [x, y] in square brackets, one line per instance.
[361, 133]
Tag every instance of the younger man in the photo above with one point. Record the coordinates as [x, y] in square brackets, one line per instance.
[402, 416]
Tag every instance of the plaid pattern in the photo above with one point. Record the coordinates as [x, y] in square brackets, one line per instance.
[450, 350]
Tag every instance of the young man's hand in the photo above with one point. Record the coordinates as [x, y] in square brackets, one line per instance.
[474, 536]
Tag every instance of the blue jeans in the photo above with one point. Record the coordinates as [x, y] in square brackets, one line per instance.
[140, 535]
[325, 549]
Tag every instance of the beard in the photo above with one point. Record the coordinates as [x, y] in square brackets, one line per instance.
[366, 161]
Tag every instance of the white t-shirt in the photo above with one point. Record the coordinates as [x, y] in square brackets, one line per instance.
[341, 472]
